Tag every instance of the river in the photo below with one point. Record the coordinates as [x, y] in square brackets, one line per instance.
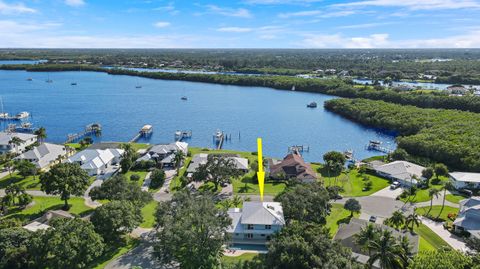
[281, 118]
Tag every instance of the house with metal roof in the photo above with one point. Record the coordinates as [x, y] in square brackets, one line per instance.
[43, 222]
[96, 161]
[255, 223]
[468, 218]
[6, 146]
[44, 155]
[202, 158]
[406, 173]
[463, 180]
[164, 154]
[292, 166]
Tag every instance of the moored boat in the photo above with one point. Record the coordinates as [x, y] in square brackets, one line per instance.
[312, 105]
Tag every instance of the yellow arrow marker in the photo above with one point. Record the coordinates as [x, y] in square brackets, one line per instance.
[260, 173]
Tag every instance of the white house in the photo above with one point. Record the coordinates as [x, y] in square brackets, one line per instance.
[44, 155]
[96, 161]
[255, 223]
[468, 218]
[462, 180]
[6, 145]
[406, 173]
[165, 153]
[202, 158]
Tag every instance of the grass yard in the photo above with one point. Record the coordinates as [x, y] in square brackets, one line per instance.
[243, 257]
[455, 198]
[249, 185]
[142, 175]
[43, 204]
[138, 146]
[148, 212]
[436, 210]
[337, 216]
[428, 239]
[114, 252]
[29, 183]
[352, 182]
[421, 195]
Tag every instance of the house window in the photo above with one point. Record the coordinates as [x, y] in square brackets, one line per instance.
[268, 227]
[263, 235]
[249, 236]
[250, 227]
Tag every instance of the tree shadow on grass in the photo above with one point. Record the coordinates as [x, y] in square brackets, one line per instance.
[345, 220]
[9, 180]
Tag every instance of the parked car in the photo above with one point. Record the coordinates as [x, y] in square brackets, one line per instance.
[466, 192]
[395, 185]
[372, 219]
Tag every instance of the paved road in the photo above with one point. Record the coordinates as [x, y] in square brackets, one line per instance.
[140, 256]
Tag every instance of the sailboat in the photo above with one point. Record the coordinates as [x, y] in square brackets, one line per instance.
[48, 79]
[293, 88]
[138, 85]
[3, 115]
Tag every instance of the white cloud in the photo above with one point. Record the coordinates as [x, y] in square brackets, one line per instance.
[338, 41]
[276, 2]
[10, 9]
[415, 4]
[161, 24]
[75, 3]
[317, 13]
[230, 12]
[364, 25]
[13, 27]
[234, 29]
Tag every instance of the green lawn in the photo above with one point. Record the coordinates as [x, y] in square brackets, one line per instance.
[422, 194]
[429, 239]
[243, 257]
[142, 175]
[436, 210]
[352, 182]
[337, 216]
[148, 212]
[43, 204]
[455, 198]
[114, 252]
[28, 183]
[249, 185]
[138, 146]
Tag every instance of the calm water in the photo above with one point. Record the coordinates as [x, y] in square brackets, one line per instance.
[280, 117]
[2, 62]
[425, 85]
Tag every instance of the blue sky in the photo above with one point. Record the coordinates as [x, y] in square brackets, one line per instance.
[240, 24]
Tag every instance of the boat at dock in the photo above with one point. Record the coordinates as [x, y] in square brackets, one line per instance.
[348, 154]
[22, 115]
[180, 135]
[312, 105]
[377, 146]
[218, 135]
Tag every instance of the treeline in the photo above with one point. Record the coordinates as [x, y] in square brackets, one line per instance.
[336, 87]
[446, 136]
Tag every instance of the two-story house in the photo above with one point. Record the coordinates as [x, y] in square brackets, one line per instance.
[468, 218]
[164, 154]
[255, 223]
[8, 145]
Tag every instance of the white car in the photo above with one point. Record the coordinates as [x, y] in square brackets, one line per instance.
[395, 185]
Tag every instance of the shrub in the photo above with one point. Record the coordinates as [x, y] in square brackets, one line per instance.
[134, 177]
[452, 216]
[158, 178]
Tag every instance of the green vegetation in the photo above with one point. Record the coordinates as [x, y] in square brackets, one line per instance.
[425, 211]
[148, 213]
[29, 182]
[141, 174]
[241, 258]
[447, 136]
[456, 198]
[429, 239]
[114, 251]
[43, 204]
[337, 216]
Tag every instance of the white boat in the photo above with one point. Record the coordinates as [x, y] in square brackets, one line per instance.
[218, 135]
[22, 115]
[293, 88]
[312, 105]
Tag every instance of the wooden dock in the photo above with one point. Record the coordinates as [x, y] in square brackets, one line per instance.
[377, 146]
[298, 149]
[146, 131]
[94, 128]
[181, 135]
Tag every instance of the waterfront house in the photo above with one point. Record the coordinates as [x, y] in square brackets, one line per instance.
[202, 158]
[164, 154]
[292, 166]
[255, 223]
[468, 219]
[96, 161]
[43, 222]
[463, 180]
[6, 145]
[44, 155]
[457, 90]
[346, 236]
[406, 173]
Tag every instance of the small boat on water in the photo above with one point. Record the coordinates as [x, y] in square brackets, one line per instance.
[48, 81]
[312, 105]
[184, 98]
[73, 83]
[138, 86]
[29, 79]
[22, 115]
[4, 116]
[293, 88]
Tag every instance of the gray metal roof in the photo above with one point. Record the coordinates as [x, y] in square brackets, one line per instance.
[5, 138]
[263, 213]
[44, 154]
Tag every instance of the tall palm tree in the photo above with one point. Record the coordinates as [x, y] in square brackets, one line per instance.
[41, 134]
[386, 251]
[15, 141]
[412, 219]
[178, 159]
[397, 219]
[365, 236]
[404, 243]
[432, 192]
[448, 185]
[237, 201]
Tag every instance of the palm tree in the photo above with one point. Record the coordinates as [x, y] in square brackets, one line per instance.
[365, 236]
[412, 219]
[15, 141]
[386, 251]
[178, 159]
[432, 192]
[9, 166]
[397, 219]
[41, 133]
[237, 201]
[447, 186]
[404, 243]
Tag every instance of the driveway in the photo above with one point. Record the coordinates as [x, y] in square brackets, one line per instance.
[379, 206]
[164, 193]
[141, 256]
[389, 193]
[453, 240]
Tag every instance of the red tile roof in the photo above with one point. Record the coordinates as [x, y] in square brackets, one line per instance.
[293, 165]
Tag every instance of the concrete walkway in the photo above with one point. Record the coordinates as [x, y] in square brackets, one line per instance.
[88, 201]
[453, 240]
[146, 182]
[164, 193]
